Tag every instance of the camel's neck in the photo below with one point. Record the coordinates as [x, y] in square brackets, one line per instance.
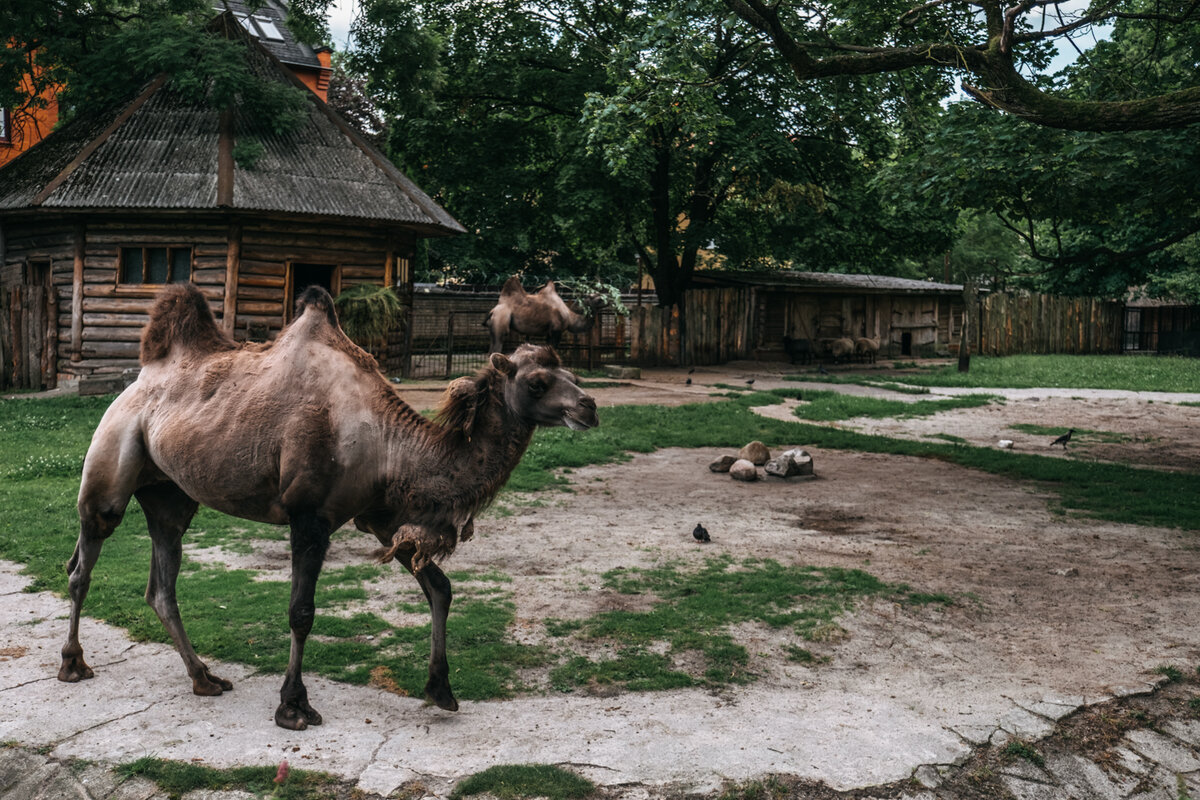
[445, 473]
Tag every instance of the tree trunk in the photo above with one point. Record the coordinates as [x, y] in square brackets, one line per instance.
[964, 339]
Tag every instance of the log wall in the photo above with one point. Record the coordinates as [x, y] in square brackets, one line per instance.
[97, 321]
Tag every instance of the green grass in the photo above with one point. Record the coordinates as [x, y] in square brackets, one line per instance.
[511, 781]
[1019, 748]
[693, 613]
[822, 406]
[1136, 373]
[178, 778]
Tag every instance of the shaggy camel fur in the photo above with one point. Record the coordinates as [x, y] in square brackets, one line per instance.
[303, 432]
[542, 313]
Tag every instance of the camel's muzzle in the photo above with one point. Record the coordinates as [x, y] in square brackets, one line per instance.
[583, 416]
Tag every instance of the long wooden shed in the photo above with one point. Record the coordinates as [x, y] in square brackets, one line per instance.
[107, 209]
[909, 317]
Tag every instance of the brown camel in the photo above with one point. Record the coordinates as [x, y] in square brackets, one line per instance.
[542, 313]
[303, 432]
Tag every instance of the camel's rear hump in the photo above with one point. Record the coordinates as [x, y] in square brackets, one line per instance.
[181, 317]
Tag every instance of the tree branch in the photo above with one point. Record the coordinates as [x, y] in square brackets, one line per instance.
[996, 81]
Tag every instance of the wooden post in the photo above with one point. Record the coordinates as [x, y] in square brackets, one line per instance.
[233, 259]
[50, 341]
[449, 342]
[77, 294]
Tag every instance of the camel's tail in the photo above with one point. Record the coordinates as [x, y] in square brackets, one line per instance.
[181, 317]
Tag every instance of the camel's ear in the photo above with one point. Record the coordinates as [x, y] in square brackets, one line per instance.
[504, 364]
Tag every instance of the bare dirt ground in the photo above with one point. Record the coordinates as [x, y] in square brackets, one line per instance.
[1077, 605]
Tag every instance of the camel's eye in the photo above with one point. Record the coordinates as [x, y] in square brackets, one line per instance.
[538, 387]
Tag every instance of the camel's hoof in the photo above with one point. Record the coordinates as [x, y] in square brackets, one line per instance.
[295, 718]
[441, 697]
[209, 685]
[74, 669]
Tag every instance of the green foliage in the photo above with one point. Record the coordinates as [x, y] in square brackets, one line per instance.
[512, 781]
[368, 313]
[1019, 748]
[100, 53]
[1094, 213]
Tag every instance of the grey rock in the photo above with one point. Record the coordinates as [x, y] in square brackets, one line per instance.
[790, 464]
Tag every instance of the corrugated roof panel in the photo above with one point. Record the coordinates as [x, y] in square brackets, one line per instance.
[165, 155]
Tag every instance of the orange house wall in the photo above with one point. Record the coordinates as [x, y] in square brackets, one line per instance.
[28, 127]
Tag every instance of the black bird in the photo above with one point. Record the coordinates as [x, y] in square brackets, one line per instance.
[690, 371]
[700, 533]
[750, 382]
[821, 369]
[688, 382]
[1066, 437]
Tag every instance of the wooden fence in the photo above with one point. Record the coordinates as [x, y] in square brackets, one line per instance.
[30, 338]
[1010, 324]
[716, 326]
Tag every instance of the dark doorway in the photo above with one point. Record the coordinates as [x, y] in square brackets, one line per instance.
[906, 343]
[306, 275]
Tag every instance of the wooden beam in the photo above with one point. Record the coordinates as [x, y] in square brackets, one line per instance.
[233, 254]
[225, 160]
[77, 293]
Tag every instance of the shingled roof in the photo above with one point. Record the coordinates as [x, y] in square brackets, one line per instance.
[165, 152]
[828, 281]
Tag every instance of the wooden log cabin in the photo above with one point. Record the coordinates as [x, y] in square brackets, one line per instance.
[96, 218]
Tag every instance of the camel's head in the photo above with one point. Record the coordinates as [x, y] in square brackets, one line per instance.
[541, 392]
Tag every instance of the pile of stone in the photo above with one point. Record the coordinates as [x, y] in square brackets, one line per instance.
[795, 463]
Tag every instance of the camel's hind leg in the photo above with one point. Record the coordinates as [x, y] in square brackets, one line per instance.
[168, 513]
[94, 528]
[310, 541]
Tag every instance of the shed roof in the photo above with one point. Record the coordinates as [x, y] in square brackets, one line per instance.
[827, 281]
[162, 151]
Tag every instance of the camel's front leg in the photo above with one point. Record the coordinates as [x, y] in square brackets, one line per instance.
[310, 541]
[436, 586]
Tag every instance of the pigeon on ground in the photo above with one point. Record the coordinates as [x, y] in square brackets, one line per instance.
[688, 382]
[750, 382]
[821, 369]
[1066, 437]
[700, 533]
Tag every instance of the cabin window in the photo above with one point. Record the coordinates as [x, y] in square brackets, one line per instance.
[5, 127]
[156, 265]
